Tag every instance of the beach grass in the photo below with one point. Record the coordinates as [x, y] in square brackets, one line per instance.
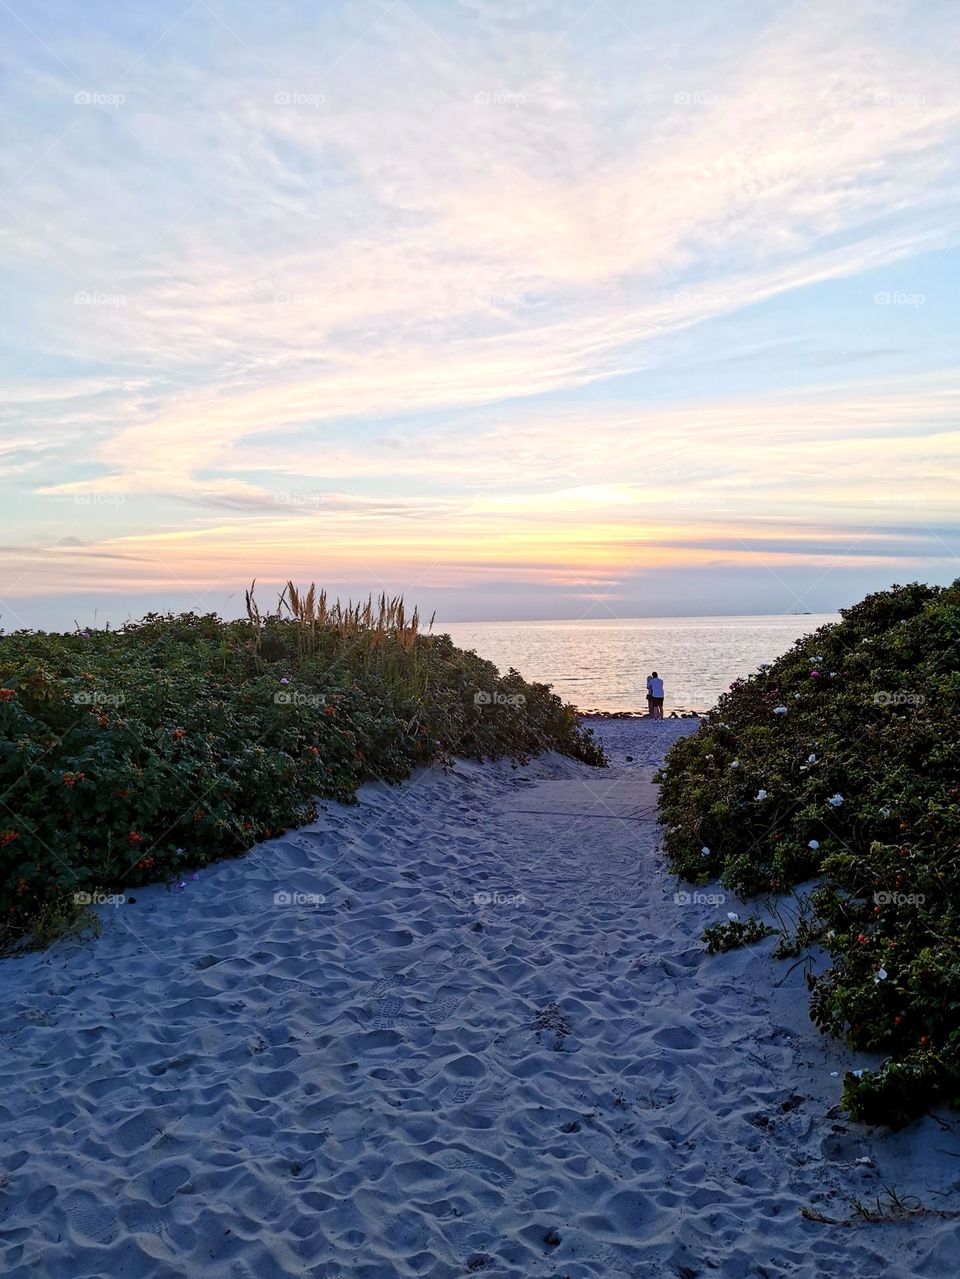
[134, 755]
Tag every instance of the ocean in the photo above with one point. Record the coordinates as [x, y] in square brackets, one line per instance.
[603, 665]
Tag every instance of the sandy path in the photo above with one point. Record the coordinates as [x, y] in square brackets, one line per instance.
[406, 1079]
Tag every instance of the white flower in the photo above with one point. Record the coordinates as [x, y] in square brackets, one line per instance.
[761, 794]
[884, 812]
[796, 697]
[857, 1073]
[811, 759]
[779, 710]
[831, 934]
[835, 801]
[881, 975]
[732, 916]
[814, 844]
[833, 674]
[704, 851]
[735, 764]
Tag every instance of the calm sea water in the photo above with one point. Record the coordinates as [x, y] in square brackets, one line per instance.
[604, 665]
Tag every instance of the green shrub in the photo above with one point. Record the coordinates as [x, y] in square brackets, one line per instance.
[842, 760]
[127, 755]
[734, 934]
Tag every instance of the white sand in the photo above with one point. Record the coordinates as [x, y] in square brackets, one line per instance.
[399, 1082]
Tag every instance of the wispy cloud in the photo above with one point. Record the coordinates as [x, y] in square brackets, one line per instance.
[375, 273]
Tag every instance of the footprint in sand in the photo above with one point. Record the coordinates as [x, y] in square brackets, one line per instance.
[87, 1217]
[387, 983]
[603, 1151]
[442, 1008]
[485, 1166]
[466, 1235]
[167, 1180]
[388, 1010]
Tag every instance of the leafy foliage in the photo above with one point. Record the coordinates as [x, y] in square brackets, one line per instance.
[127, 755]
[734, 934]
[842, 760]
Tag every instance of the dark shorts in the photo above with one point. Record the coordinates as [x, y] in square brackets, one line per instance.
[656, 702]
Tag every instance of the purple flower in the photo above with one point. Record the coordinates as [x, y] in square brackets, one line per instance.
[284, 680]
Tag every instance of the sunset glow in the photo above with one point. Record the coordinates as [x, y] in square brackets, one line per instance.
[524, 310]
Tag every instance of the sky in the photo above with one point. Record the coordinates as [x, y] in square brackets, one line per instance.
[580, 309]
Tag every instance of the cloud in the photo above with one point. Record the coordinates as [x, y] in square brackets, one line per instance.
[404, 282]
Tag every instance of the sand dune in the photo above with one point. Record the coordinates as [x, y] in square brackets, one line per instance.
[462, 1028]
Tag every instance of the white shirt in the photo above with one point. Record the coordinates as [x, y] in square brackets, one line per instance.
[654, 685]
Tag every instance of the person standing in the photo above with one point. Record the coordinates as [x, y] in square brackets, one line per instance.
[655, 695]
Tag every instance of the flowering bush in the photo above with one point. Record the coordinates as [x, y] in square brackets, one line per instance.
[860, 785]
[126, 755]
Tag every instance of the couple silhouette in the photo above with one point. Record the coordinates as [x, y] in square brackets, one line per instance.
[655, 696]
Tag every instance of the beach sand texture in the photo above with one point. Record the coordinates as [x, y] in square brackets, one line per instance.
[406, 1079]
